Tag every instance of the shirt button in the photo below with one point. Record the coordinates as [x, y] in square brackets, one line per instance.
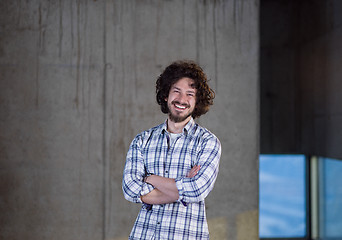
[166, 171]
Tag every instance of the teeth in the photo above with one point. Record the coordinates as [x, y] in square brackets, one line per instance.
[182, 107]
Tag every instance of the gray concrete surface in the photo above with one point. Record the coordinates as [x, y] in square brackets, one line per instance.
[77, 83]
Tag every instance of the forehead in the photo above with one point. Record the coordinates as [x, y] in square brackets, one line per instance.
[185, 83]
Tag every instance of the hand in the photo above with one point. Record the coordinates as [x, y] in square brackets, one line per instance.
[193, 172]
[145, 179]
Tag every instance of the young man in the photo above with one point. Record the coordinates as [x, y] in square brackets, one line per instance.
[171, 168]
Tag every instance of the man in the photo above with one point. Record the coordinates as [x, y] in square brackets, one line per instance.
[171, 168]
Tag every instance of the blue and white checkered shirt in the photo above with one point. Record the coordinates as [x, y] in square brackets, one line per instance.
[151, 153]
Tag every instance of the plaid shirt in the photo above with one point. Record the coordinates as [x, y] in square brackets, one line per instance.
[151, 153]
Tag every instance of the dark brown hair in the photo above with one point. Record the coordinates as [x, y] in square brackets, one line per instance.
[189, 69]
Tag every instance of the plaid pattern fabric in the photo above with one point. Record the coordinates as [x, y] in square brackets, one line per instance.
[151, 153]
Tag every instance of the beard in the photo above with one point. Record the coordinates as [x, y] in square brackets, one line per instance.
[176, 118]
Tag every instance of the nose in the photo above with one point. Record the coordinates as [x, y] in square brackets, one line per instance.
[182, 98]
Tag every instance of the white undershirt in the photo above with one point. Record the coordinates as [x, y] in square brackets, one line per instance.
[173, 137]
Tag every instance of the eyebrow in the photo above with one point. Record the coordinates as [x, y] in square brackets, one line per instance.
[193, 90]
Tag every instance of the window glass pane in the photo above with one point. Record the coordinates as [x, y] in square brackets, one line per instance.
[282, 202]
[330, 190]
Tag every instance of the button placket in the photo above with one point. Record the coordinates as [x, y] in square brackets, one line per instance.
[158, 225]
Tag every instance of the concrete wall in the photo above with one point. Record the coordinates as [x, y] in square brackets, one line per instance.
[77, 83]
[301, 77]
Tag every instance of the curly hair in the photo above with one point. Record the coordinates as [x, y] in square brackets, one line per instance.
[189, 69]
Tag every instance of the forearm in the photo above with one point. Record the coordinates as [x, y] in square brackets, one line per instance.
[165, 185]
[157, 197]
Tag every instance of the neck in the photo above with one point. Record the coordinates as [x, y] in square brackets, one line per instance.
[176, 127]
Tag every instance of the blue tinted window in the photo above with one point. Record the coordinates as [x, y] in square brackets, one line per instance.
[330, 191]
[282, 202]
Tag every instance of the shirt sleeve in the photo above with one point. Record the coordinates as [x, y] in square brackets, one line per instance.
[133, 185]
[196, 189]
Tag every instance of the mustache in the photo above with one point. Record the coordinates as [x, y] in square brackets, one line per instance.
[179, 103]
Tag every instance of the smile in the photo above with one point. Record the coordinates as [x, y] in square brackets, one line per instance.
[180, 106]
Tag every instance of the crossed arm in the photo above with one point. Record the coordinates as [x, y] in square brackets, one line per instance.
[165, 188]
[193, 187]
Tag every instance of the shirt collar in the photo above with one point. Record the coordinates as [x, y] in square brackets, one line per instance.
[186, 128]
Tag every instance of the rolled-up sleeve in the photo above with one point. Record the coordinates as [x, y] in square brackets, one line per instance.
[133, 186]
[196, 189]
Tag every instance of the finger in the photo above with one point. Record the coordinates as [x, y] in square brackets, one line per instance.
[193, 172]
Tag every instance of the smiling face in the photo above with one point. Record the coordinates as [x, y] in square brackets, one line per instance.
[181, 100]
